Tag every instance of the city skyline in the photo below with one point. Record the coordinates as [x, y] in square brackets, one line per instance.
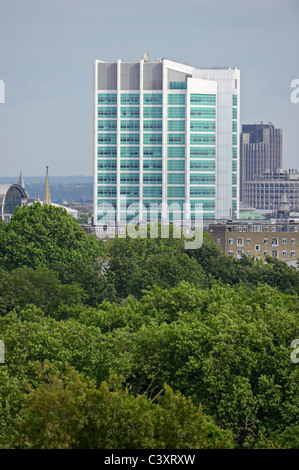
[48, 50]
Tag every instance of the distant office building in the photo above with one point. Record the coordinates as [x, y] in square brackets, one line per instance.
[166, 133]
[260, 151]
[266, 192]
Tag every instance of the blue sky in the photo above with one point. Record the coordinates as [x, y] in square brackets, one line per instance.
[47, 52]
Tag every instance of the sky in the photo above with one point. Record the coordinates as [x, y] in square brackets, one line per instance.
[48, 48]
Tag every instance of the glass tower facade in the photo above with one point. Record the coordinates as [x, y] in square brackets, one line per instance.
[166, 135]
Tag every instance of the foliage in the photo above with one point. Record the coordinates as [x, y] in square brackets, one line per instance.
[201, 340]
[46, 236]
[40, 287]
[67, 411]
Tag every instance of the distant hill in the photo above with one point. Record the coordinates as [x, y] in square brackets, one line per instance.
[63, 188]
[53, 179]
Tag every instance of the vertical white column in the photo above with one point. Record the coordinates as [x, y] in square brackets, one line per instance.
[187, 212]
[95, 147]
[118, 208]
[216, 155]
[141, 143]
[164, 142]
[238, 144]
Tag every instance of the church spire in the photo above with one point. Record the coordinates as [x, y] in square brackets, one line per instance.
[21, 181]
[47, 194]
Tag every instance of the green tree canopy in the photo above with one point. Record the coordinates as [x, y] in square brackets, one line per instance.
[68, 411]
[40, 235]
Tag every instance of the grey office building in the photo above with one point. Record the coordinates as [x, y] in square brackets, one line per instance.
[260, 152]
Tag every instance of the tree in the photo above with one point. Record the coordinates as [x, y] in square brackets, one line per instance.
[40, 287]
[68, 411]
[46, 236]
[40, 235]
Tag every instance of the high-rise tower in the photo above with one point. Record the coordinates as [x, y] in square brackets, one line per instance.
[260, 152]
[165, 132]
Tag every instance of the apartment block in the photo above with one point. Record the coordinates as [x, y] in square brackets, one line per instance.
[279, 239]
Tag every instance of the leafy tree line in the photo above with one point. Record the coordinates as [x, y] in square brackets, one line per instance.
[172, 348]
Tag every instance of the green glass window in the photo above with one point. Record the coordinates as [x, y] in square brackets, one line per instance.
[176, 113]
[129, 164]
[107, 152]
[235, 126]
[235, 100]
[207, 204]
[107, 98]
[129, 112]
[176, 178]
[127, 125]
[107, 125]
[202, 165]
[197, 191]
[107, 177]
[234, 204]
[152, 165]
[200, 139]
[129, 139]
[129, 152]
[131, 191]
[152, 139]
[155, 178]
[152, 125]
[234, 191]
[202, 99]
[107, 112]
[152, 191]
[154, 112]
[178, 85]
[235, 152]
[205, 152]
[202, 126]
[176, 152]
[129, 178]
[107, 191]
[203, 178]
[152, 152]
[204, 113]
[177, 99]
[234, 178]
[234, 166]
[176, 139]
[110, 164]
[176, 126]
[107, 138]
[130, 98]
[175, 191]
[175, 165]
[234, 139]
[235, 113]
[152, 98]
